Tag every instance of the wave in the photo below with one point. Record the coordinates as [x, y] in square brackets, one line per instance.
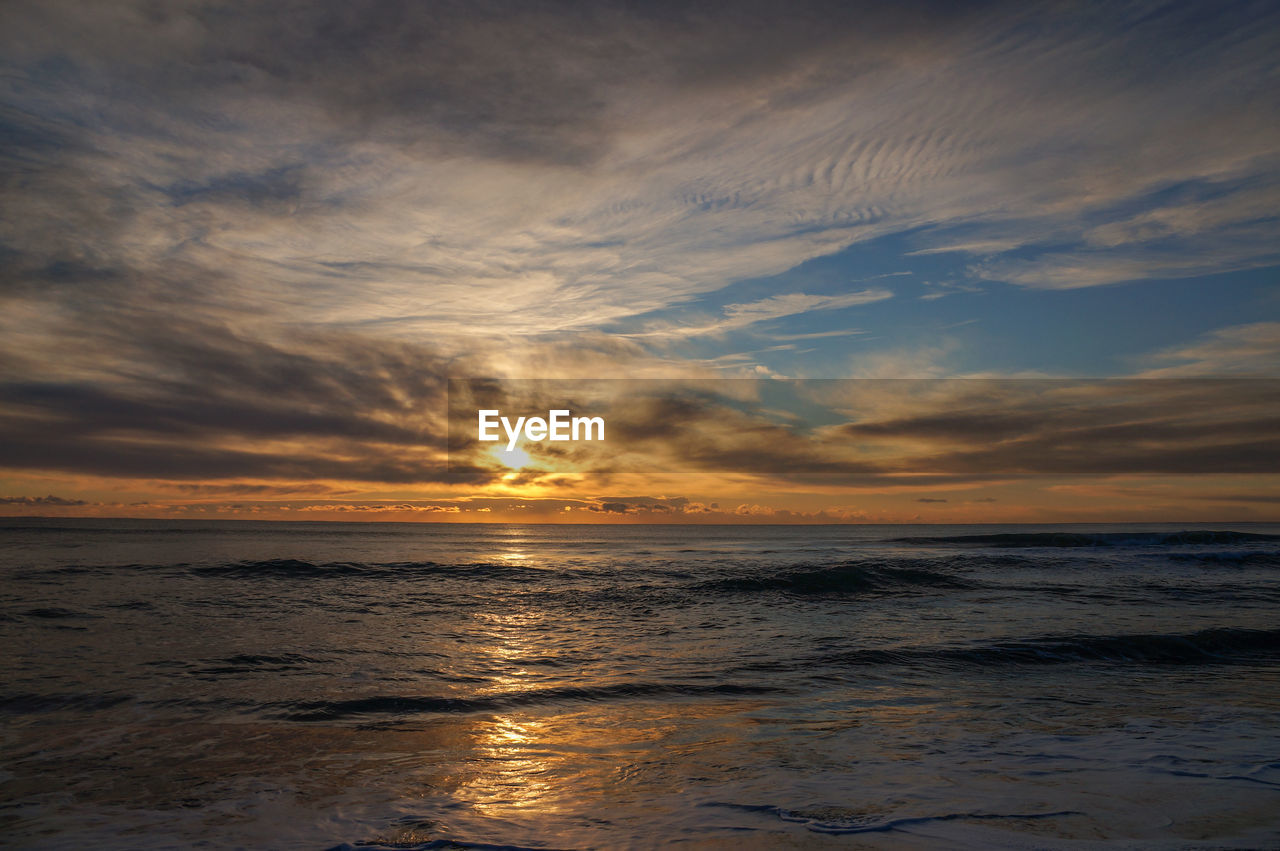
[808, 579]
[25, 703]
[842, 579]
[841, 821]
[290, 568]
[435, 845]
[335, 710]
[242, 663]
[1189, 537]
[56, 613]
[1252, 558]
[282, 567]
[1222, 645]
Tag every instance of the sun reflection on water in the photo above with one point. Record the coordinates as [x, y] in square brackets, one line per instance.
[520, 768]
[519, 772]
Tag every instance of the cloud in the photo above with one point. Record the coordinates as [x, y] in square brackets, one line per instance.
[942, 289]
[1065, 427]
[738, 316]
[381, 508]
[189, 399]
[775, 307]
[818, 335]
[249, 489]
[1239, 497]
[1252, 349]
[40, 500]
[669, 507]
[793, 303]
[442, 170]
[248, 243]
[915, 434]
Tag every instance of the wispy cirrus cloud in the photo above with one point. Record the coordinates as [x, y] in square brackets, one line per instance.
[738, 316]
[1252, 349]
[438, 170]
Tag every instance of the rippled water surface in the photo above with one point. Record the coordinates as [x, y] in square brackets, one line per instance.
[297, 685]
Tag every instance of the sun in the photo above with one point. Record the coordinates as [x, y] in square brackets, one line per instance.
[514, 459]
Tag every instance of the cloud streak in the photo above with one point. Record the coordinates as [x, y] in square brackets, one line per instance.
[739, 316]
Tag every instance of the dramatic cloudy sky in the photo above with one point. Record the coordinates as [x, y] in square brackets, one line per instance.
[243, 247]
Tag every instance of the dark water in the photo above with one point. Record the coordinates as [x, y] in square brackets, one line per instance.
[171, 685]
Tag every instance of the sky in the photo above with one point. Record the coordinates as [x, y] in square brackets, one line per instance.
[940, 262]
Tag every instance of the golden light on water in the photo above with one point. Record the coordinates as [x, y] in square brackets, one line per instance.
[520, 770]
[519, 765]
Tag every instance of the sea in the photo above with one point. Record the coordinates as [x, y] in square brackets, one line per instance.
[235, 684]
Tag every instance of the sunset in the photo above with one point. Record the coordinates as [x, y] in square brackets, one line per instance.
[621, 425]
[245, 249]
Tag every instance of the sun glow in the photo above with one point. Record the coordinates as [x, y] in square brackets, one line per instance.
[515, 459]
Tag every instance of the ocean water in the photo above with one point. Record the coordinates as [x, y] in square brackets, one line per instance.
[313, 686]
